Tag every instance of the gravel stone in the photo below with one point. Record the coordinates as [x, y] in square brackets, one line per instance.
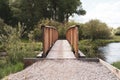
[64, 70]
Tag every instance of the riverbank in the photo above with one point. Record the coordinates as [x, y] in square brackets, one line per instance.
[90, 48]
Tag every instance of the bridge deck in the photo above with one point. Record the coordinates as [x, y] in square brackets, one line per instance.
[61, 49]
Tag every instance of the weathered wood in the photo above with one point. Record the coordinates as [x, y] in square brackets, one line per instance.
[72, 37]
[50, 35]
[61, 49]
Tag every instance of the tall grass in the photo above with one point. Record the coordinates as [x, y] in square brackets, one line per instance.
[16, 50]
[10, 68]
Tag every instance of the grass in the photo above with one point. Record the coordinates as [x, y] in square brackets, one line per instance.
[13, 63]
[10, 68]
[116, 64]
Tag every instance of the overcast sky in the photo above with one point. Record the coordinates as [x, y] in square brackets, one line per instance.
[107, 11]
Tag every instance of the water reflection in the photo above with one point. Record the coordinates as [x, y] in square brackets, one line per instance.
[111, 52]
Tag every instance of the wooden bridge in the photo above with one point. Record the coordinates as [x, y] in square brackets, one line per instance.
[61, 60]
[55, 48]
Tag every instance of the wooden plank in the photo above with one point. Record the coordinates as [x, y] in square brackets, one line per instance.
[61, 49]
[111, 68]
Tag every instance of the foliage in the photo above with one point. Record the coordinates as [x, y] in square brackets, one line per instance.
[116, 64]
[117, 31]
[5, 12]
[36, 10]
[94, 29]
[16, 50]
[61, 27]
[10, 68]
[89, 48]
[62, 9]
[116, 38]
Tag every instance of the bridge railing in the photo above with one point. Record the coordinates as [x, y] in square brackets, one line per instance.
[50, 35]
[72, 37]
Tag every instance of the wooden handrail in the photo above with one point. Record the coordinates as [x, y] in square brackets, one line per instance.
[72, 37]
[50, 35]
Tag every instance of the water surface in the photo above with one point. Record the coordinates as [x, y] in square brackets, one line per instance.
[111, 52]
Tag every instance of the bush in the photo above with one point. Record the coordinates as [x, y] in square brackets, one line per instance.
[90, 48]
[10, 39]
[35, 35]
[61, 27]
[94, 29]
[117, 31]
[16, 49]
[48, 22]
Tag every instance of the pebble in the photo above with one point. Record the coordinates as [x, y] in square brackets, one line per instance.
[64, 70]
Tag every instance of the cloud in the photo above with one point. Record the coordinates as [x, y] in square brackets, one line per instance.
[107, 12]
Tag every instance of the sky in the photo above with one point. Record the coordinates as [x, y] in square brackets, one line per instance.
[107, 11]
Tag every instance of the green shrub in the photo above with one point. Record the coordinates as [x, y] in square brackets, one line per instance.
[117, 31]
[48, 22]
[35, 35]
[61, 27]
[94, 29]
[89, 48]
[16, 49]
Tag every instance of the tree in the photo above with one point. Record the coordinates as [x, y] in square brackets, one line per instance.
[5, 12]
[29, 12]
[62, 9]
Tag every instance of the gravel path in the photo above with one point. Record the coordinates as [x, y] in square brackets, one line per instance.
[64, 70]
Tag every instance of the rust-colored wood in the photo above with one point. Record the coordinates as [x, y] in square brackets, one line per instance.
[50, 35]
[72, 37]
